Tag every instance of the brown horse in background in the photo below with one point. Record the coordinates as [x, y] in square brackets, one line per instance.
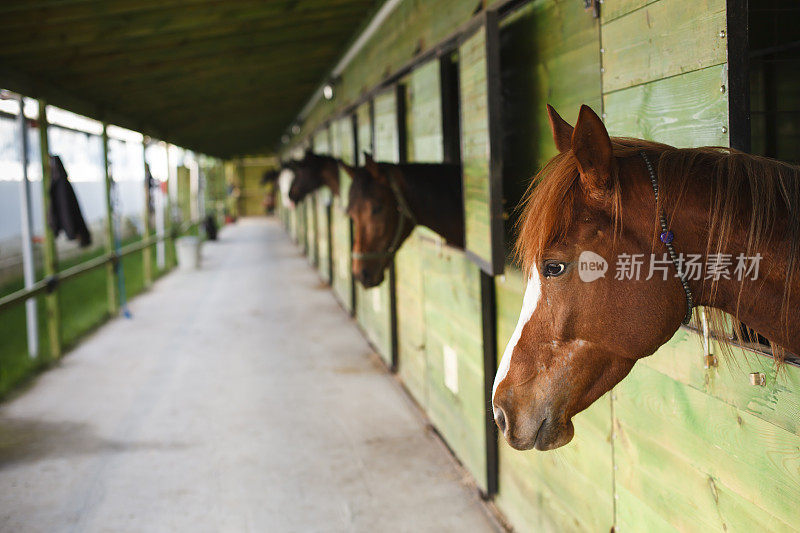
[387, 200]
[581, 329]
[311, 173]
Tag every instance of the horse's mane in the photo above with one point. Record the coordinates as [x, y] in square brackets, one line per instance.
[743, 186]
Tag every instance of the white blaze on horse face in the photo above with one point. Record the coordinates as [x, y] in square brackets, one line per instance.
[533, 293]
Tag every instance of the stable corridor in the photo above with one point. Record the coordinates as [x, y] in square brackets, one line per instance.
[239, 398]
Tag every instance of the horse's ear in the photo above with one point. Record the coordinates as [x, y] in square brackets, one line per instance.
[347, 168]
[592, 148]
[562, 131]
[374, 169]
[370, 164]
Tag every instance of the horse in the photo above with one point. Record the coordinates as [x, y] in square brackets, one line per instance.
[311, 173]
[582, 327]
[270, 176]
[388, 200]
[285, 179]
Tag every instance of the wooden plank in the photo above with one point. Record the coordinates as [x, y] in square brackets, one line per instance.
[322, 204]
[454, 351]
[366, 132]
[322, 145]
[778, 402]
[663, 39]
[374, 305]
[741, 453]
[413, 365]
[549, 55]
[387, 141]
[52, 307]
[684, 111]
[687, 498]
[424, 114]
[412, 27]
[475, 145]
[612, 9]
[341, 244]
[547, 490]
[111, 273]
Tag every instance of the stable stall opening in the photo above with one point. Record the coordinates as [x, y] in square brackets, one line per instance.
[772, 59]
[539, 67]
[775, 79]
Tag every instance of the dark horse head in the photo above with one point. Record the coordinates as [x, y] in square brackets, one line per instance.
[270, 176]
[386, 202]
[311, 173]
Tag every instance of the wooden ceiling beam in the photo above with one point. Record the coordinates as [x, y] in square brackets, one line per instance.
[191, 58]
[259, 41]
[126, 32]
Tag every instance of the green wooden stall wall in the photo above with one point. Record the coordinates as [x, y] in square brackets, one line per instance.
[550, 53]
[342, 282]
[312, 244]
[451, 288]
[696, 449]
[674, 446]
[424, 144]
[447, 376]
[475, 145]
[322, 202]
[374, 305]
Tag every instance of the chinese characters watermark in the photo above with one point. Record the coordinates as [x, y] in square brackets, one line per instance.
[635, 267]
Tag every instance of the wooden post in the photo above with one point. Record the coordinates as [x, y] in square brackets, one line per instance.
[53, 312]
[147, 251]
[111, 267]
[26, 226]
[168, 219]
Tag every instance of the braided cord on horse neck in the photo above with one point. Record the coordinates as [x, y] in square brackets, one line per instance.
[666, 237]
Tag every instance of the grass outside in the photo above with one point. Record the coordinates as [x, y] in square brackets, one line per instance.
[84, 307]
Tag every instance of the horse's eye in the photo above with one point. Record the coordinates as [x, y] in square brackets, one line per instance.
[377, 208]
[554, 269]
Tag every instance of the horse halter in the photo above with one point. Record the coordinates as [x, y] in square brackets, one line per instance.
[667, 237]
[405, 214]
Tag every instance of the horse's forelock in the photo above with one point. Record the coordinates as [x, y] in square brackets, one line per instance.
[547, 208]
[548, 204]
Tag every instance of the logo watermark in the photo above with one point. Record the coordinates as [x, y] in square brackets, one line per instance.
[591, 266]
[635, 267]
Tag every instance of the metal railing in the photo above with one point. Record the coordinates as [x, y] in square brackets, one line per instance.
[50, 284]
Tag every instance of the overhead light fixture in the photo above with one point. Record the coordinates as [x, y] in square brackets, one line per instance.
[327, 91]
[295, 129]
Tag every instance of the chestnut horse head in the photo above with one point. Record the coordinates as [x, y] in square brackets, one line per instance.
[582, 325]
[381, 218]
[311, 173]
[387, 200]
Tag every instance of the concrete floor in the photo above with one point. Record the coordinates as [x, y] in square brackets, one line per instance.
[239, 398]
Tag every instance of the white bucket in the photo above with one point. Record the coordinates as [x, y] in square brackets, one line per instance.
[188, 251]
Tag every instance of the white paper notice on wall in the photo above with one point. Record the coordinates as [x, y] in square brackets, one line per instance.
[450, 369]
[376, 300]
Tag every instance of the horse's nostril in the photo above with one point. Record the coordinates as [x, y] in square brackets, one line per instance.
[500, 419]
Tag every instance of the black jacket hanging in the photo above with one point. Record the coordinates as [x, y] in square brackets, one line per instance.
[65, 212]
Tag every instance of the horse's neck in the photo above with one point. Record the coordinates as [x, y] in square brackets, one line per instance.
[330, 175]
[759, 303]
[435, 202]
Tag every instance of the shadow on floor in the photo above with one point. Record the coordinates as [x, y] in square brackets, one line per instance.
[24, 440]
